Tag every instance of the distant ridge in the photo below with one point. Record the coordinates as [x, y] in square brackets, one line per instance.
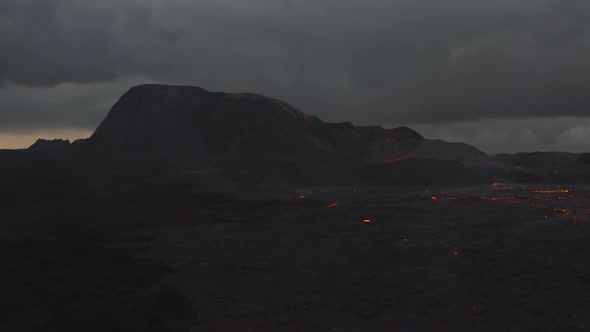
[44, 144]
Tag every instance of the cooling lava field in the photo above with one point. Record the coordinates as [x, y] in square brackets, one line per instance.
[499, 257]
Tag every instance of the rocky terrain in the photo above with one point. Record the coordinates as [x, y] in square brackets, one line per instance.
[584, 159]
[496, 257]
[190, 210]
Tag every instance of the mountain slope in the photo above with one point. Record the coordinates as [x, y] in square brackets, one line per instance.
[192, 127]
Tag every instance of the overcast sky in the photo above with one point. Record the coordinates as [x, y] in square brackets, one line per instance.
[503, 75]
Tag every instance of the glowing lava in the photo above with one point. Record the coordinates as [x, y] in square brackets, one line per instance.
[564, 211]
[297, 114]
[411, 155]
[548, 201]
[559, 191]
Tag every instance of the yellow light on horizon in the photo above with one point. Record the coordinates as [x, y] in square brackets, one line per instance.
[22, 140]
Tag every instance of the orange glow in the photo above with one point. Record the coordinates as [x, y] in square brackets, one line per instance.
[302, 197]
[291, 112]
[564, 211]
[434, 198]
[366, 221]
[455, 252]
[22, 140]
[495, 163]
[495, 184]
[297, 114]
[560, 191]
[333, 205]
[411, 155]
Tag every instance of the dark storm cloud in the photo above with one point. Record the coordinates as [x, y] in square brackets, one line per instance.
[403, 61]
[67, 105]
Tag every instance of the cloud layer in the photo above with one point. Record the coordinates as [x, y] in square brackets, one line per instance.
[369, 62]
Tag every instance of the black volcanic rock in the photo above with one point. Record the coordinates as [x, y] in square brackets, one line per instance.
[196, 128]
[391, 150]
[180, 142]
[584, 159]
[197, 132]
[44, 144]
[376, 144]
[538, 160]
[192, 127]
[402, 134]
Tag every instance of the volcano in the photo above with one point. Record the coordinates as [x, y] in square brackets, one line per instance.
[191, 127]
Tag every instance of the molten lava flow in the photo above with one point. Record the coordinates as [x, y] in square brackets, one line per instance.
[411, 155]
[290, 112]
[493, 163]
[497, 164]
[297, 114]
[564, 211]
[549, 201]
[333, 205]
[495, 184]
[366, 221]
[559, 191]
